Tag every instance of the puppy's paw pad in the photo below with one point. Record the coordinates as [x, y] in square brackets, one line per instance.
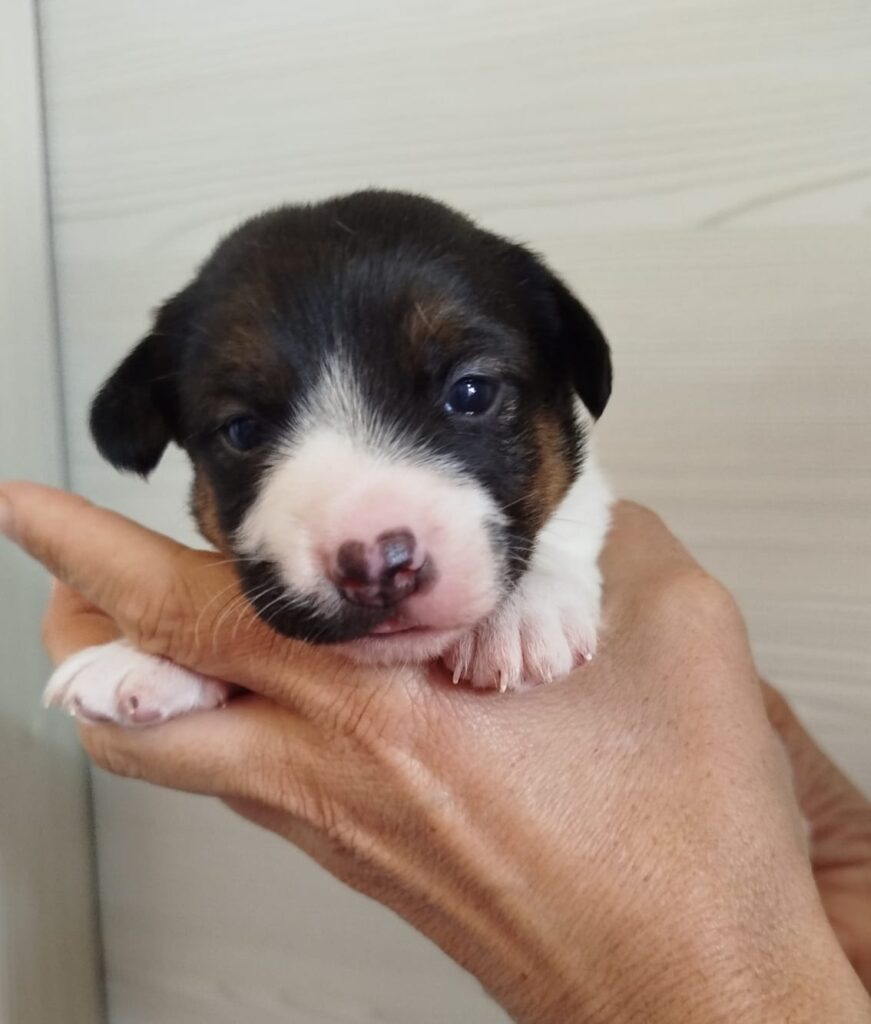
[118, 683]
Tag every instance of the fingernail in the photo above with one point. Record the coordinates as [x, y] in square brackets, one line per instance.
[5, 516]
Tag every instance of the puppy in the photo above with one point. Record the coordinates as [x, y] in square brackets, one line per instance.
[388, 411]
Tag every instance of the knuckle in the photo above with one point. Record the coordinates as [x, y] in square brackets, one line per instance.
[641, 522]
[641, 513]
[693, 598]
[162, 624]
[344, 840]
[331, 822]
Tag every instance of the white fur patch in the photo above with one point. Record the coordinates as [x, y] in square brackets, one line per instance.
[115, 682]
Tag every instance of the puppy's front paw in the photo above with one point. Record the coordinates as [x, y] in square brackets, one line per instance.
[537, 636]
[117, 683]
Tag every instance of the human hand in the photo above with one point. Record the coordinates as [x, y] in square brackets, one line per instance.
[620, 846]
[839, 821]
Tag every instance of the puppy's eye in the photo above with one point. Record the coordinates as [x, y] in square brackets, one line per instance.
[242, 433]
[472, 396]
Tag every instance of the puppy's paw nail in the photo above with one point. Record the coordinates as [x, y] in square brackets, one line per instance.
[81, 711]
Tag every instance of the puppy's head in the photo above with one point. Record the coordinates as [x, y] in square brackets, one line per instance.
[382, 403]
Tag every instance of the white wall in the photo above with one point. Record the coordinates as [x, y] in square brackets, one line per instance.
[700, 171]
[49, 962]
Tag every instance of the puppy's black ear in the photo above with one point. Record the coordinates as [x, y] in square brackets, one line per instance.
[567, 331]
[136, 412]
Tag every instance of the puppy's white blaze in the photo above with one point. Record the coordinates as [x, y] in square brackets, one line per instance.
[336, 401]
[343, 476]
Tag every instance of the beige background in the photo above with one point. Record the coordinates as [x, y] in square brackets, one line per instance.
[700, 171]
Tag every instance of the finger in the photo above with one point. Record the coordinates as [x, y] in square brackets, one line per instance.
[84, 545]
[166, 598]
[148, 584]
[653, 586]
[825, 794]
[251, 749]
[72, 623]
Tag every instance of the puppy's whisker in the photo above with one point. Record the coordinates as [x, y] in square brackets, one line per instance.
[234, 602]
[225, 614]
[235, 560]
[262, 611]
[239, 616]
[528, 496]
[245, 606]
[239, 601]
[208, 605]
[279, 605]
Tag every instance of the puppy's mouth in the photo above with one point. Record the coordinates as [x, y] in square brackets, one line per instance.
[394, 642]
[396, 624]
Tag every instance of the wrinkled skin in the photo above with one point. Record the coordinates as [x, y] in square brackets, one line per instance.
[621, 846]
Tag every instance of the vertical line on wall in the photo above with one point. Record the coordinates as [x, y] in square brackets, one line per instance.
[65, 456]
[60, 392]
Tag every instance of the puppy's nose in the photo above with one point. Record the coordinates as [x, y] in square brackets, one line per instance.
[382, 573]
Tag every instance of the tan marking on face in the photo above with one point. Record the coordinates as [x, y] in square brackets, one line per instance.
[205, 511]
[247, 355]
[553, 477]
[243, 348]
[432, 319]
